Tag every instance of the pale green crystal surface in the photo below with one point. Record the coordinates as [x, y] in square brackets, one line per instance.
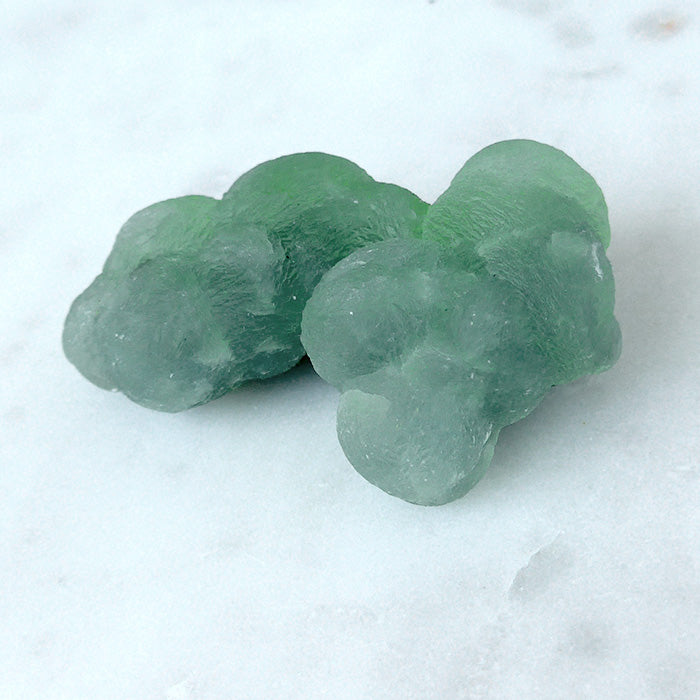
[440, 327]
[437, 344]
[199, 295]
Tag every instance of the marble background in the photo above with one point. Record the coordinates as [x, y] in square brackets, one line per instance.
[230, 552]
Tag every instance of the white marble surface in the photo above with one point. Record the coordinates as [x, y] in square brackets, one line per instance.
[230, 552]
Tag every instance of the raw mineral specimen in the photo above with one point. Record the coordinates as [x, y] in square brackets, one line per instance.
[199, 295]
[440, 342]
[439, 325]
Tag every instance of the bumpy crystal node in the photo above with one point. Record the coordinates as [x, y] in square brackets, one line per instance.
[440, 325]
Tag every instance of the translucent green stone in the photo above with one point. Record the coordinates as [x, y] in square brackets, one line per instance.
[439, 325]
[438, 343]
[199, 295]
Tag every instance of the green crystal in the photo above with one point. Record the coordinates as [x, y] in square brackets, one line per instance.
[439, 325]
[199, 295]
[436, 344]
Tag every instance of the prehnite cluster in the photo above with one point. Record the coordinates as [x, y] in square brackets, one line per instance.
[440, 325]
[200, 295]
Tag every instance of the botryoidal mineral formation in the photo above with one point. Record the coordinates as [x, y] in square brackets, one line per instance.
[200, 295]
[440, 325]
[438, 343]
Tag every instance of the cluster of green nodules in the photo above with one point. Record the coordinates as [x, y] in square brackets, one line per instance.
[439, 324]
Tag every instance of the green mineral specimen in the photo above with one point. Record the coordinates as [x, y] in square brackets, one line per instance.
[439, 325]
[438, 343]
[199, 295]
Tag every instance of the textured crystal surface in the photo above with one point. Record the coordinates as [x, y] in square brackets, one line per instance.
[438, 343]
[199, 295]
